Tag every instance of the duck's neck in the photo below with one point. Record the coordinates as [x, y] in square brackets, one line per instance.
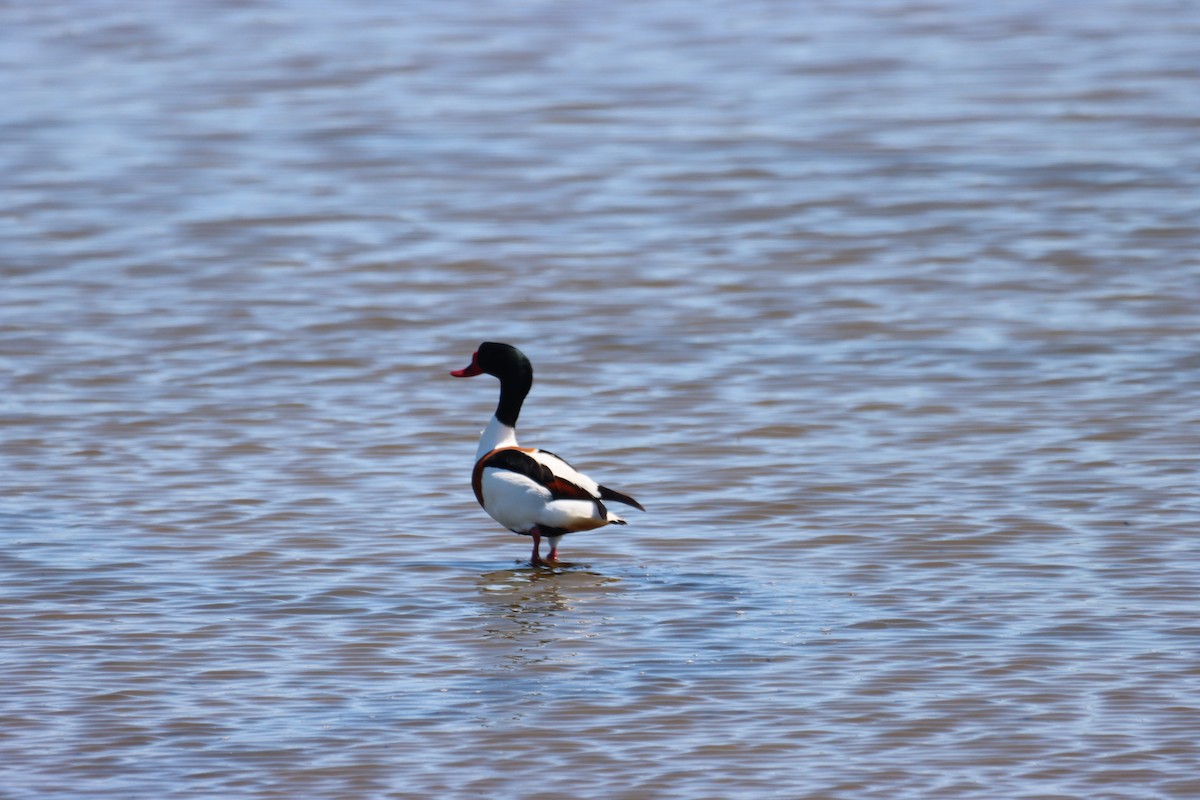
[513, 390]
[502, 430]
[496, 434]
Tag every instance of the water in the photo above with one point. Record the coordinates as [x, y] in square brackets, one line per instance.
[886, 311]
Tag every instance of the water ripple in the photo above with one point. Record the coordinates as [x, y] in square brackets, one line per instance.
[885, 311]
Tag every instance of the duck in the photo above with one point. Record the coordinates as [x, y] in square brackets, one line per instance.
[530, 491]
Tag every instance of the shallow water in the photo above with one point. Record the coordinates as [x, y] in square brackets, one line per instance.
[885, 311]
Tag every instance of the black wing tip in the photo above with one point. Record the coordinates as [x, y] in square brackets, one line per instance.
[608, 494]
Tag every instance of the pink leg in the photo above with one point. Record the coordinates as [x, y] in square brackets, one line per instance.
[536, 559]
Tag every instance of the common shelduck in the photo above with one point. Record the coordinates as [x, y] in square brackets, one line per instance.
[529, 491]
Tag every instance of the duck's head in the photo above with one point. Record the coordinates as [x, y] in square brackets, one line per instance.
[501, 360]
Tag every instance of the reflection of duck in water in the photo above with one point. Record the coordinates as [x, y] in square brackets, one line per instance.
[530, 491]
[534, 593]
[531, 617]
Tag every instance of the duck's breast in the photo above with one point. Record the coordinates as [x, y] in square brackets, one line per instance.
[512, 499]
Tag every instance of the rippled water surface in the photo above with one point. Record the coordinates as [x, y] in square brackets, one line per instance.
[887, 311]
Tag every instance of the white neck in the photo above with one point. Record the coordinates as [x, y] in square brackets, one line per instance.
[496, 434]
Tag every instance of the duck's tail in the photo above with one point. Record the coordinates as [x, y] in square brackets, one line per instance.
[611, 494]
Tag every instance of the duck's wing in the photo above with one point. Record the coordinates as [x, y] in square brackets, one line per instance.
[561, 468]
[562, 484]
